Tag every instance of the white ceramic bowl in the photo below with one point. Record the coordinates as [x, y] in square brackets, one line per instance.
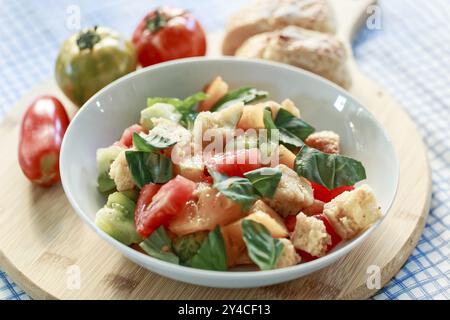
[326, 106]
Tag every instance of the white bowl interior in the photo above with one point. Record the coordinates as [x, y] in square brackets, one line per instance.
[102, 119]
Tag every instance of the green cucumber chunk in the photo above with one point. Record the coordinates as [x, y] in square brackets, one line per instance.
[185, 247]
[106, 156]
[116, 218]
[159, 110]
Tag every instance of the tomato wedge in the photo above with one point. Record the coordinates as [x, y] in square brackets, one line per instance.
[166, 202]
[145, 198]
[290, 222]
[127, 136]
[236, 163]
[323, 194]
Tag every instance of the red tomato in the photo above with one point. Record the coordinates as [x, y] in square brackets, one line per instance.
[167, 34]
[320, 192]
[236, 163]
[323, 194]
[41, 134]
[306, 257]
[127, 136]
[290, 222]
[169, 200]
[337, 191]
[145, 198]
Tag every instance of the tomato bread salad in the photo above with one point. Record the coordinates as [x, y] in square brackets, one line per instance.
[225, 178]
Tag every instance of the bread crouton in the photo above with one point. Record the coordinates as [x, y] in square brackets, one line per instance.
[121, 174]
[325, 141]
[352, 212]
[288, 256]
[310, 235]
[293, 193]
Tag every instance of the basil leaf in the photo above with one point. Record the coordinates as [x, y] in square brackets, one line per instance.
[188, 119]
[291, 130]
[240, 190]
[148, 167]
[152, 143]
[189, 102]
[158, 245]
[261, 247]
[287, 123]
[212, 254]
[265, 180]
[329, 170]
[245, 94]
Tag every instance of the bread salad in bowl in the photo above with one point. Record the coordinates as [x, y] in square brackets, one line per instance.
[228, 178]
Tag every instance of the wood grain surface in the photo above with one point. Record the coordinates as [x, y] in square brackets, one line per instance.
[42, 240]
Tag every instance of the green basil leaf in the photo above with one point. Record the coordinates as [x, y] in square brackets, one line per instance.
[189, 102]
[212, 254]
[329, 170]
[188, 119]
[265, 180]
[148, 167]
[245, 94]
[238, 189]
[159, 246]
[152, 142]
[261, 247]
[296, 127]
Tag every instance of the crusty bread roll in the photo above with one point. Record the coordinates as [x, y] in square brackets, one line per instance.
[318, 52]
[268, 15]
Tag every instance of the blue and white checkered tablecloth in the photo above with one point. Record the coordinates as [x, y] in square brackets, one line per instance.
[409, 56]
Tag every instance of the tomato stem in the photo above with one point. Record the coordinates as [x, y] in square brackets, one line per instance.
[88, 39]
[157, 22]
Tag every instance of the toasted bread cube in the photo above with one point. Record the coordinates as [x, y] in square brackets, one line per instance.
[260, 205]
[214, 92]
[120, 173]
[325, 141]
[289, 105]
[286, 156]
[293, 193]
[310, 235]
[288, 256]
[233, 237]
[352, 212]
[315, 208]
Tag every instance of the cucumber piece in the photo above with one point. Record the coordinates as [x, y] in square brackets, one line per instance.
[113, 222]
[159, 110]
[116, 218]
[105, 156]
[132, 194]
[185, 247]
[105, 184]
[120, 201]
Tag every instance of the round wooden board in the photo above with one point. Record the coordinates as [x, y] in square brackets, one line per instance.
[42, 240]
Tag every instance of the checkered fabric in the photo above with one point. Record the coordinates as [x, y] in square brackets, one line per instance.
[409, 56]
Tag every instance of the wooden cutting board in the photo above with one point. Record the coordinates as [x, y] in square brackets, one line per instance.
[43, 242]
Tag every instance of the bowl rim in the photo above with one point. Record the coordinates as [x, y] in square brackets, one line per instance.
[314, 265]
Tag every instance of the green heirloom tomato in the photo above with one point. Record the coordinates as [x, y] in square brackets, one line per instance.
[91, 59]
